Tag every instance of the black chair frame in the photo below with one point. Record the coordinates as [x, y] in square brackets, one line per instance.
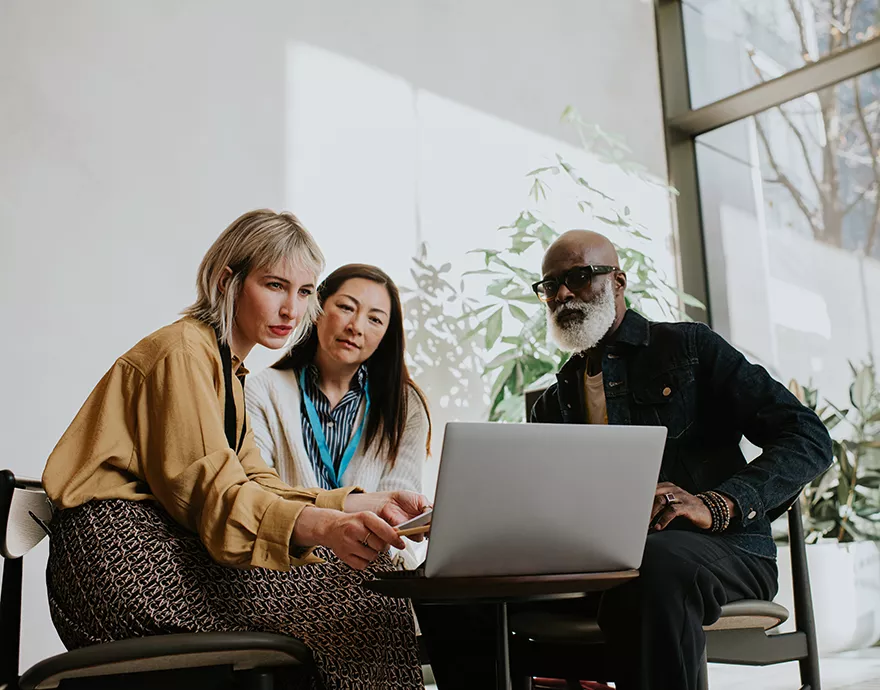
[213, 661]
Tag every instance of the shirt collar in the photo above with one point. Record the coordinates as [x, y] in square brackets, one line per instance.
[238, 367]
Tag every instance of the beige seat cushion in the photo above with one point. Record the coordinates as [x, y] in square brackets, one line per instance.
[576, 629]
[750, 613]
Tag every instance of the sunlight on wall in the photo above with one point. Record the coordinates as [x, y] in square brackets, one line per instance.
[402, 165]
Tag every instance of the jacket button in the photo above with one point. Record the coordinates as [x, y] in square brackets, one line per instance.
[752, 515]
[667, 392]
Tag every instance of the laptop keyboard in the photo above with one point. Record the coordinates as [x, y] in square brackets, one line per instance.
[401, 574]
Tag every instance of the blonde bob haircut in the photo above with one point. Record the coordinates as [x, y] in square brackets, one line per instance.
[254, 241]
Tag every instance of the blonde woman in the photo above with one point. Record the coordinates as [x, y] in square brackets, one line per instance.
[170, 521]
[340, 408]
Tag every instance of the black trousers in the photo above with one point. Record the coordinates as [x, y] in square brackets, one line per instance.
[653, 625]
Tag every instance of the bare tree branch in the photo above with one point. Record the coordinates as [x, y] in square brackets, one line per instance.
[848, 11]
[872, 232]
[859, 197]
[799, 20]
[875, 166]
[782, 178]
[800, 137]
[803, 145]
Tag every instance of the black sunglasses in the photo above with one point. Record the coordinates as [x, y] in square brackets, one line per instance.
[574, 279]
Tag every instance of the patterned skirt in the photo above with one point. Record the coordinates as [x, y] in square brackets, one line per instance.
[121, 569]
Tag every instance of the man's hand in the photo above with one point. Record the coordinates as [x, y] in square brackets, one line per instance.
[682, 504]
[395, 507]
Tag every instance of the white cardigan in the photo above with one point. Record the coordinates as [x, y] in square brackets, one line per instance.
[273, 399]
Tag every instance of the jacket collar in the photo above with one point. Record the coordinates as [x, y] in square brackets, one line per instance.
[635, 330]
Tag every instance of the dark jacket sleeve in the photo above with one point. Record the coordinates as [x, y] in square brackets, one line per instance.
[796, 447]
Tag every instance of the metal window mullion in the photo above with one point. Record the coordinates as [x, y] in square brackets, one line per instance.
[813, 77]
[681, 156]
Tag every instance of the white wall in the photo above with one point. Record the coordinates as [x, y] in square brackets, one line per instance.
[132, 133]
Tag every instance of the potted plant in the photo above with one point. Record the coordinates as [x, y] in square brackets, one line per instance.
[841, 511]
[500, 339]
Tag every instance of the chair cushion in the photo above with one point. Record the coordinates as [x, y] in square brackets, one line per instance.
[750, 613]
[576, 629]
[167, 652]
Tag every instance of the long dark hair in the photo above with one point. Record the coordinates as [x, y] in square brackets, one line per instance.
[387, 371]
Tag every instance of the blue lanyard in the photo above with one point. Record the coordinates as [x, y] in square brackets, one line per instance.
[321, 440]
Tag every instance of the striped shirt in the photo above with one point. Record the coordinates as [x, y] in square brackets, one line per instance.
[338, 423]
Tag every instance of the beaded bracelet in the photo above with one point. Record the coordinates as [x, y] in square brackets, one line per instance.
[714, 510]
[718, 508]
[725, 510]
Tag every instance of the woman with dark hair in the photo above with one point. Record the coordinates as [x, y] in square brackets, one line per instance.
[340, 409]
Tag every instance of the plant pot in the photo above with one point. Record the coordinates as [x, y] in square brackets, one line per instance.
[845, 581]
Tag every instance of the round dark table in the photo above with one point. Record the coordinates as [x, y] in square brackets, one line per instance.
[498, 591]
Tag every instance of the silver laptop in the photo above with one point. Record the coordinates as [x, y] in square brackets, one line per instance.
[538, 499]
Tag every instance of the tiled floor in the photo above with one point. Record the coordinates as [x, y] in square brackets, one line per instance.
[850, 671]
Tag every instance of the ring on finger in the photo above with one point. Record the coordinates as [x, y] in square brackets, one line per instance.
[670, 499]
[366, 541]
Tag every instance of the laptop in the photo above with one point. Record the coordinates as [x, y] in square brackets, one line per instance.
[541, 499]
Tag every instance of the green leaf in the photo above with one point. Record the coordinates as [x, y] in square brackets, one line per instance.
[862, 389]
[518, 313]
[825, 482]
[609, 221]
[524, 221]
[832, 421]
[501, 359]
[482, 272]
[493, 329]
[537, 171]
[843, 488]
[869, 460]
[511, 409]
[689, 300]
[538, 190]
[501, 379]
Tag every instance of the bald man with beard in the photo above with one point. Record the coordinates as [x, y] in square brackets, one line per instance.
[709, 540]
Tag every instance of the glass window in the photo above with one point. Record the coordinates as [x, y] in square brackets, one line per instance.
[735, 44]
[790, 209]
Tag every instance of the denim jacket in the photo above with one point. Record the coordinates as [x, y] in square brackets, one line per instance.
[689, 379]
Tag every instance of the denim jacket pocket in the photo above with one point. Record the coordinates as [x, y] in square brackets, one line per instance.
[666, 399]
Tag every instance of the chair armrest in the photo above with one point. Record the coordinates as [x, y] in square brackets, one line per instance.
[167, 652]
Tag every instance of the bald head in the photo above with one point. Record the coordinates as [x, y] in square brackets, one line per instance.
[579, 248]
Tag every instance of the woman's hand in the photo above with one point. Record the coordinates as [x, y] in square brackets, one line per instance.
[682, 504]
[357, 539]
[394, 507]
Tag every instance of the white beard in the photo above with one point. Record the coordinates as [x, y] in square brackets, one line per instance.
[583, 333]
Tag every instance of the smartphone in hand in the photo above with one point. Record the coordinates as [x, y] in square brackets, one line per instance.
[422, 520]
